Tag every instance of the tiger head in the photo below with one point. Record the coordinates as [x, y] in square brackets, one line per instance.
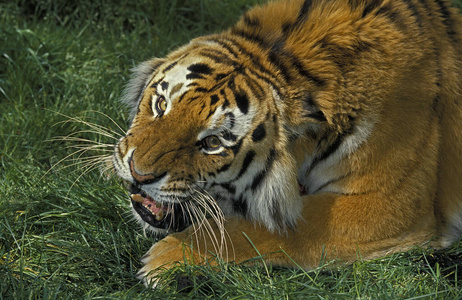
[209, 135]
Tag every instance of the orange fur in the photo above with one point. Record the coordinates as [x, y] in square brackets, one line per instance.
[366, 98]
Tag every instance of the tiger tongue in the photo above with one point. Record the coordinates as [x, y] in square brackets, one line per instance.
[151, 205]
[147, 202]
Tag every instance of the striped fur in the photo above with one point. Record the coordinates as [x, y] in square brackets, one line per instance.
[338, 125]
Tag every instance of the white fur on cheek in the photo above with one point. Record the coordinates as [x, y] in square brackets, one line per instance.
[122, 167]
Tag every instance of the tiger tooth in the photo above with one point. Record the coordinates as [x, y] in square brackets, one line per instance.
[137, 198]
[160, 215]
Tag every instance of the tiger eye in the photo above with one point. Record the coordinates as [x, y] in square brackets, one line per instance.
[161, 105]
[212, 142]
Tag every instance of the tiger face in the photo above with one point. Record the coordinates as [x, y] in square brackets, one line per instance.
[206, 139]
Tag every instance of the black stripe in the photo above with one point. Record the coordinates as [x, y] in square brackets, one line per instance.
[170, 66]
[256, 89]
[164, 85]
[325, 184]
[312, 110]
[447, 20]
[232, 119]
[258, 180]
[192, 99]
[328, 152]
[260, 71]
[264, 73]
[228, 47]
[155, 84]
[215, 87]
[249, 36]
[414, 12]
[211, 112]
[229, 187]
[274, 53]
[331, 149]
[318, 116]
[220, 76]
[260, 176]
[200, 90]
[302, 16]
[242, 101]
[194, 76]
[389, 12]
[213, 99]
[267, 80]
[225, 104]
[305, 73]
[443, 9]
[251, 21]
[277, 53]
[303, 13]
[259, 133]
[240, 205]
[181, 98]
[218, 57]
[229, 136]
[202, 109]
[394, 16]
[246, 163]
[224, 168]
[370, 7]
[247, 54]
[200, 68]
[235, 148]
[231, 82]
[276, 57]
[117, 163]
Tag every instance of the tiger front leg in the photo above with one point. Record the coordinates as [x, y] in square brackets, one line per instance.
[240, 241]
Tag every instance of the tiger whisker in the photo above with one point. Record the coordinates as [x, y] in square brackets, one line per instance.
[102, 148]
[87, 169]
[111, 119]
[66, 158]
[97, 127]
[200, 229]
[196, 228]
[71, 138]
[208, 204]
[217, 245]
[86, 160]
[100, 133]
[84, 145]
[197, 221]
[78, 155]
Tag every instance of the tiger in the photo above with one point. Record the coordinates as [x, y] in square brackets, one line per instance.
[311, 130]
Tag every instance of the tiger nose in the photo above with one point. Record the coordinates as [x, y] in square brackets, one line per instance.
[144, 178]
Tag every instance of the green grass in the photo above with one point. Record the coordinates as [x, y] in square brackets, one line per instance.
[67, 236]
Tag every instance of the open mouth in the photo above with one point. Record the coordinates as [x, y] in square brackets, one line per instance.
[160, 215]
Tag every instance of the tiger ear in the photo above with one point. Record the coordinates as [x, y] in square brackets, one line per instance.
[140, 77]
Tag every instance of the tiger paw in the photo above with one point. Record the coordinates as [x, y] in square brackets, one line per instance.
[164, 255]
